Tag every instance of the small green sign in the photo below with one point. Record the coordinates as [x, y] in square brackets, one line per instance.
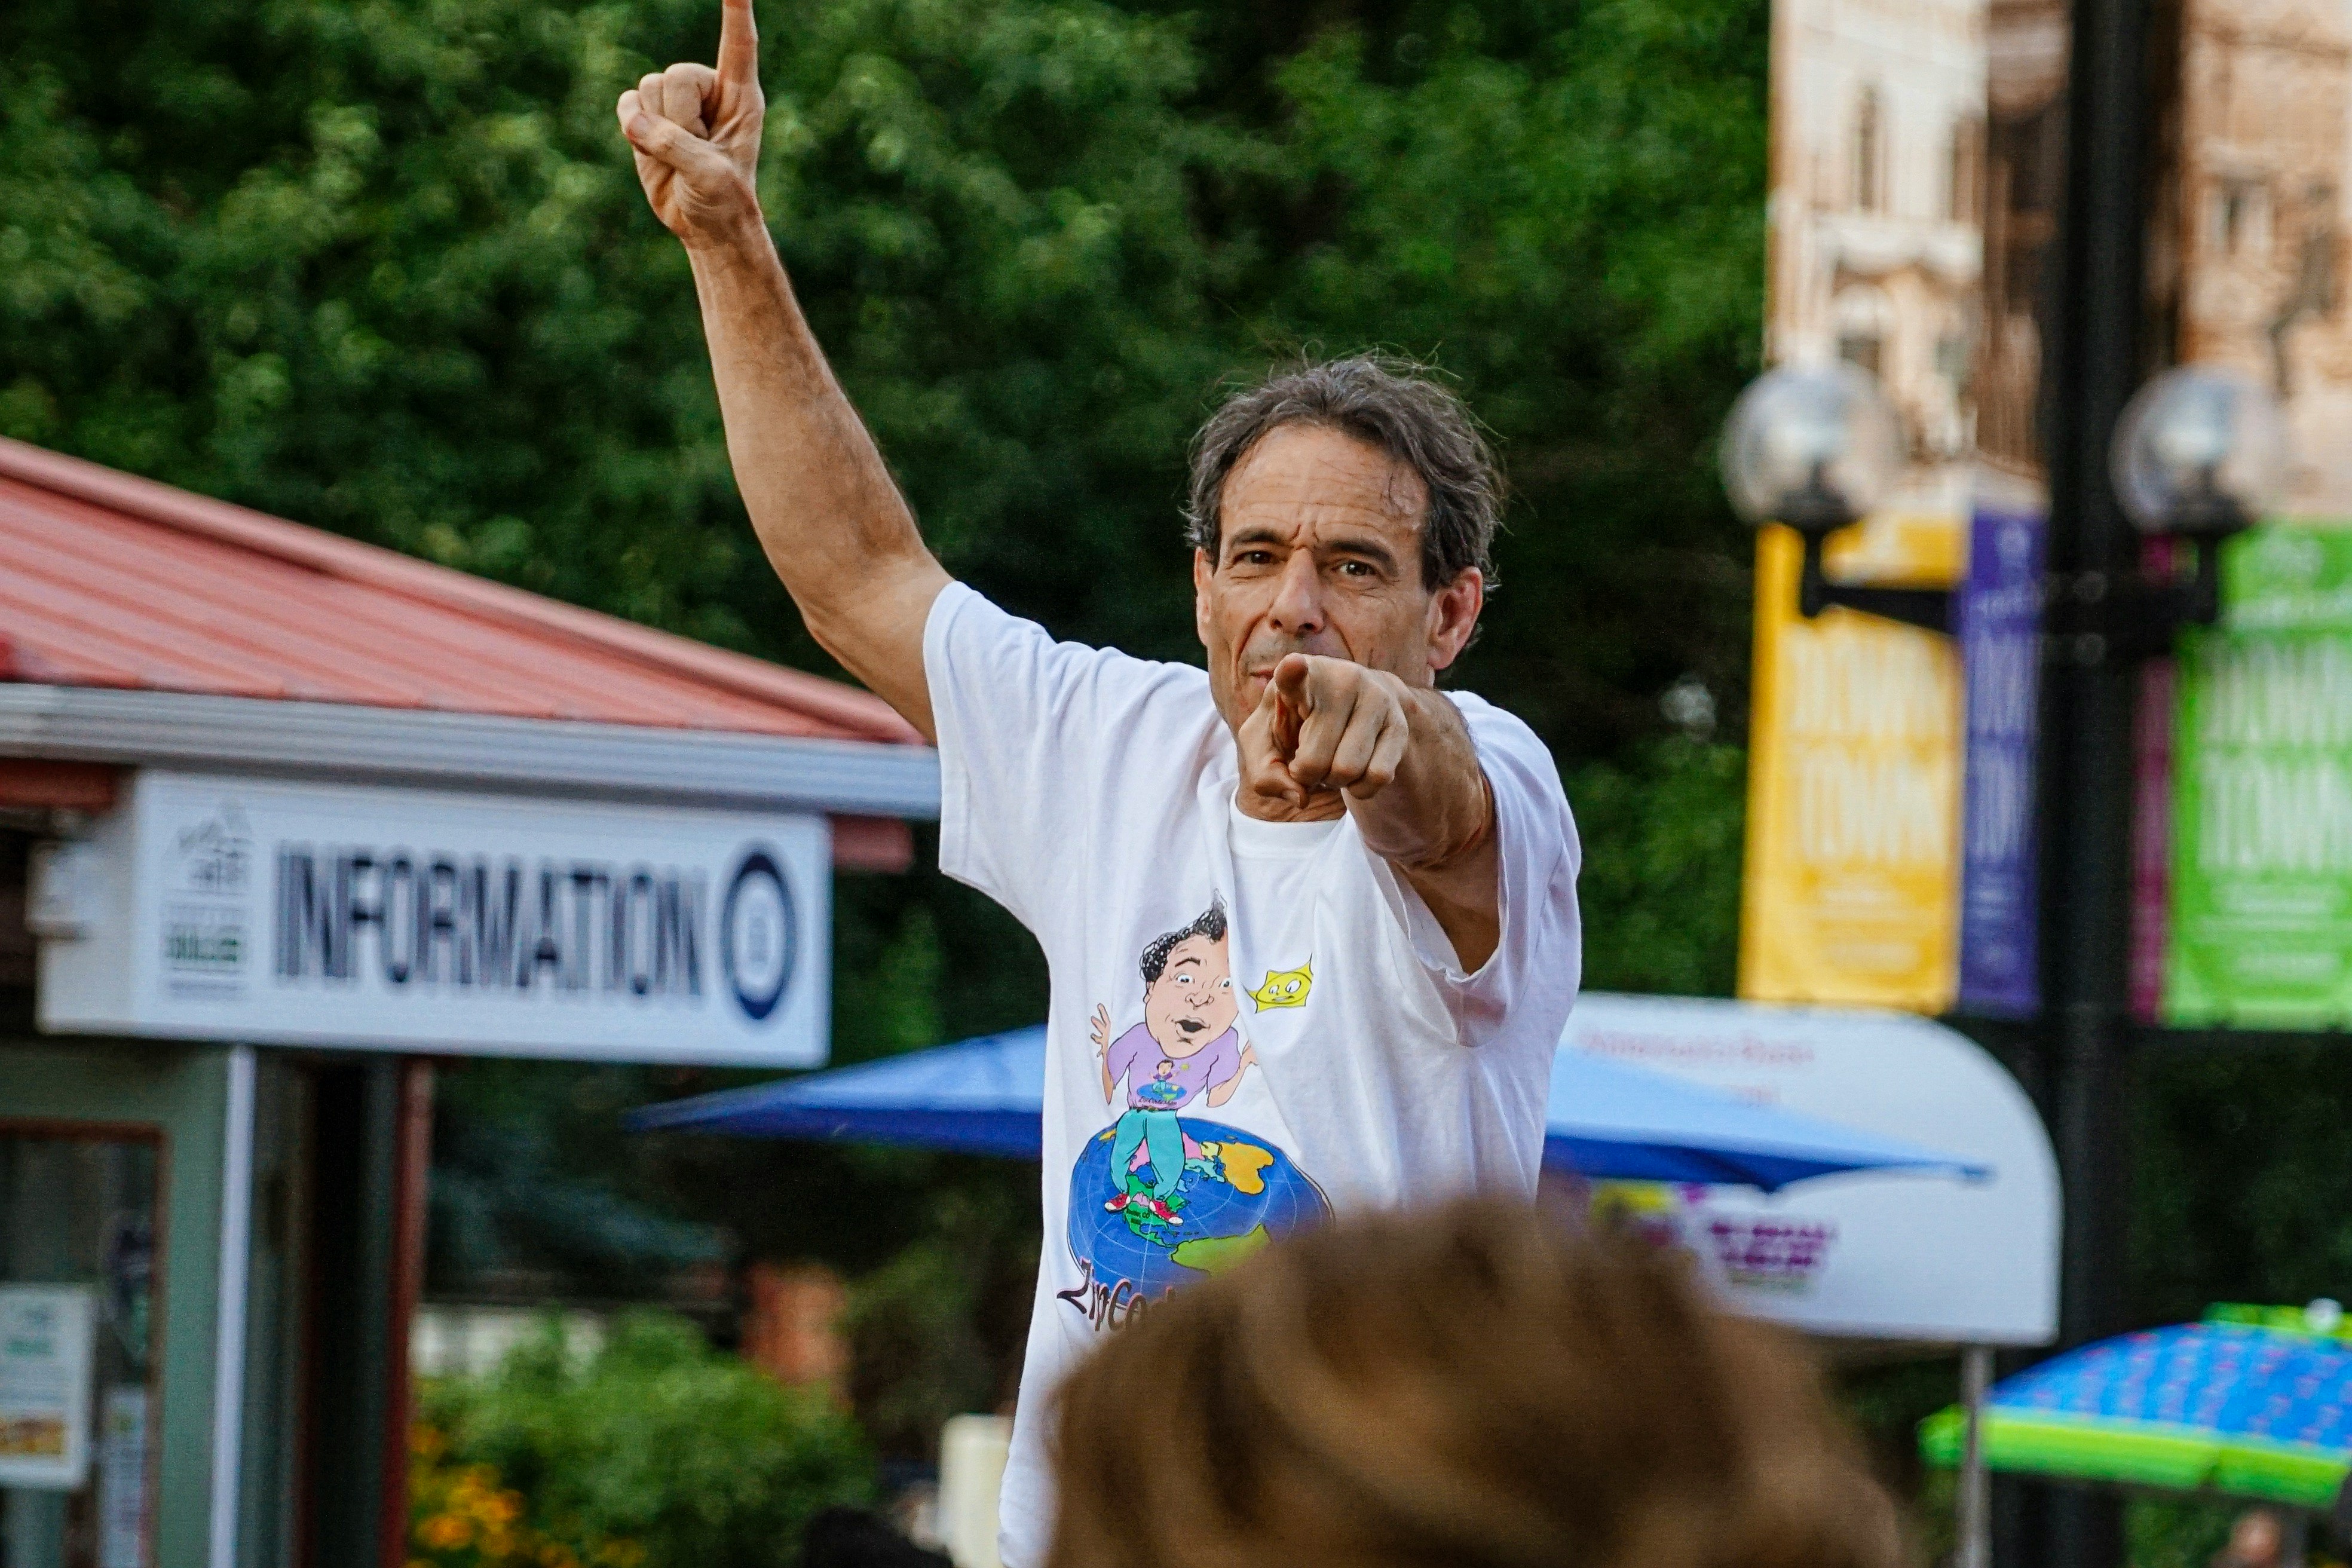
[2261, 933]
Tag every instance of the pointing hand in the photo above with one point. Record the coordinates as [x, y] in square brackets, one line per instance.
[1325, 724]
[696, 132]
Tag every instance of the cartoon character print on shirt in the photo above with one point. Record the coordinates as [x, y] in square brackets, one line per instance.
[1286, 987]
[1163, 1193]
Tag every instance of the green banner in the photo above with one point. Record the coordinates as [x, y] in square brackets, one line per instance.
[2261, 930]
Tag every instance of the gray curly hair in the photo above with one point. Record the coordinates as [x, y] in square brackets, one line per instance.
[1384, 402]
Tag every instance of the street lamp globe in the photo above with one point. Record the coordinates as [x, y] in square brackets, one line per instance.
[1814, 446]
[2200, 452]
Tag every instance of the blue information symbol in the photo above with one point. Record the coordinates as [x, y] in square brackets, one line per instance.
[759, 933]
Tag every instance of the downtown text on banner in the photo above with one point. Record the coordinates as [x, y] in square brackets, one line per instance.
[1850, 892]
[2261, 927]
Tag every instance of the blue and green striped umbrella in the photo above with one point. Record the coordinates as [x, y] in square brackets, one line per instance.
[2248, 1403]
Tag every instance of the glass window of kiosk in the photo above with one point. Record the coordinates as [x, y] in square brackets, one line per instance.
[81, 1309]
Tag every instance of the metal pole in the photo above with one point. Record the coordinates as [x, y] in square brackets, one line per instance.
[228, 1343]
[1975, 1545]
[2085, 796]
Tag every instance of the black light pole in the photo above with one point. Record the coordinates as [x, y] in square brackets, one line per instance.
[2088, 694]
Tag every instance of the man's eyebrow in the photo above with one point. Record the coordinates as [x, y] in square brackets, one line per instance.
[1367, 545]
[1261, 534]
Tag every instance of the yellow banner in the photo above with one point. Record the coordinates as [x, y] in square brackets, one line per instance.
[1852, 873]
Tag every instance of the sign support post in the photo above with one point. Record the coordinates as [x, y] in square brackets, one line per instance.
[235, 1263]
[2088, 694]
[1974, 1549]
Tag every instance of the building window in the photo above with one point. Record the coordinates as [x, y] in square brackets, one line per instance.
[1860, 349]
[2239, 223]
[1964, 190]
[1869, 154]
[1952, 362]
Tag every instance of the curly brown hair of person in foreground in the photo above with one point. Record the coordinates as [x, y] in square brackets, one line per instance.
[1466, 1386]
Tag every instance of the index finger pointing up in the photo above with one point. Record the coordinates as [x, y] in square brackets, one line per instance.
[739, 43]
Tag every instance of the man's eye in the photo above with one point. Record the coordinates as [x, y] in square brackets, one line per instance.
[1356, 568]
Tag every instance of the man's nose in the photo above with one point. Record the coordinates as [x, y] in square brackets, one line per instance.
[1298, 596]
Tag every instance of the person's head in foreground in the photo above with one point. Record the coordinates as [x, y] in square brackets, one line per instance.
[1466, 1386]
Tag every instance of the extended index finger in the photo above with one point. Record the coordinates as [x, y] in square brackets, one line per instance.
[739, 42]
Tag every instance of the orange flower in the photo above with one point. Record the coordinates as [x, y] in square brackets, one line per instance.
[446, 1531]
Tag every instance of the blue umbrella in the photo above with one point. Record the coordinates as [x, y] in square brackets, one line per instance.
[2236, 1408]
[1605, 1120]
[1609, 1121]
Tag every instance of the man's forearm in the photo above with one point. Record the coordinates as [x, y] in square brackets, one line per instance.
[1437, 808]
[833, 524]
[1435, 824]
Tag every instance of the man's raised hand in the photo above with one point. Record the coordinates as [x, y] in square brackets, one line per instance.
[696, 134]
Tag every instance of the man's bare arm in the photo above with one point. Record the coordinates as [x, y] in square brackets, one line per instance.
[1434, 822]
[833, 524]
[1400, 760]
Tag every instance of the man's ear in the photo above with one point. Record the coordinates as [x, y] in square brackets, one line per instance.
[1201, 573]
[1453, 617]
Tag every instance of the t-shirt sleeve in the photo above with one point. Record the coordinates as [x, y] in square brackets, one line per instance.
[1029, 735]
[1523, 993]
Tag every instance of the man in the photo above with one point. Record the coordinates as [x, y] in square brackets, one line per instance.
[1393, 869]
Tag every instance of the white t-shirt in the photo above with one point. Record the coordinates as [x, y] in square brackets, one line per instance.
[1253, 1024]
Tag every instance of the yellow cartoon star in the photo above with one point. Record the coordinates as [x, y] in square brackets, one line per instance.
[1285, 987]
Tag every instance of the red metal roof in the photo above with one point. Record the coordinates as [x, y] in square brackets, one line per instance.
[110, 580]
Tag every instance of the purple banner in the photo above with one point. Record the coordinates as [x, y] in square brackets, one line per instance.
[2159, 686]
[1998, 619]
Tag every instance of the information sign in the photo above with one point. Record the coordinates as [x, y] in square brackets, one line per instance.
[272, 911]
[45, 1385]
[122, 1459]
[2261, 933]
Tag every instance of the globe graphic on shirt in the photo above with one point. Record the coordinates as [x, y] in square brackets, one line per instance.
[1237, 1192]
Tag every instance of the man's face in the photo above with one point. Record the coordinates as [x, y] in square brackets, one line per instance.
[1320, 553]
[1193, 1002]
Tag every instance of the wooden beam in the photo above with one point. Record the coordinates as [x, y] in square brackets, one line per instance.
[412, 1167]
[59, 786]
[872, 844]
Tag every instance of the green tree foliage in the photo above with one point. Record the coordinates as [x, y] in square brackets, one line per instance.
[930, 1332]
[383, 268]
[1662, 863]
[2242, 1176]
[688, 1455]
